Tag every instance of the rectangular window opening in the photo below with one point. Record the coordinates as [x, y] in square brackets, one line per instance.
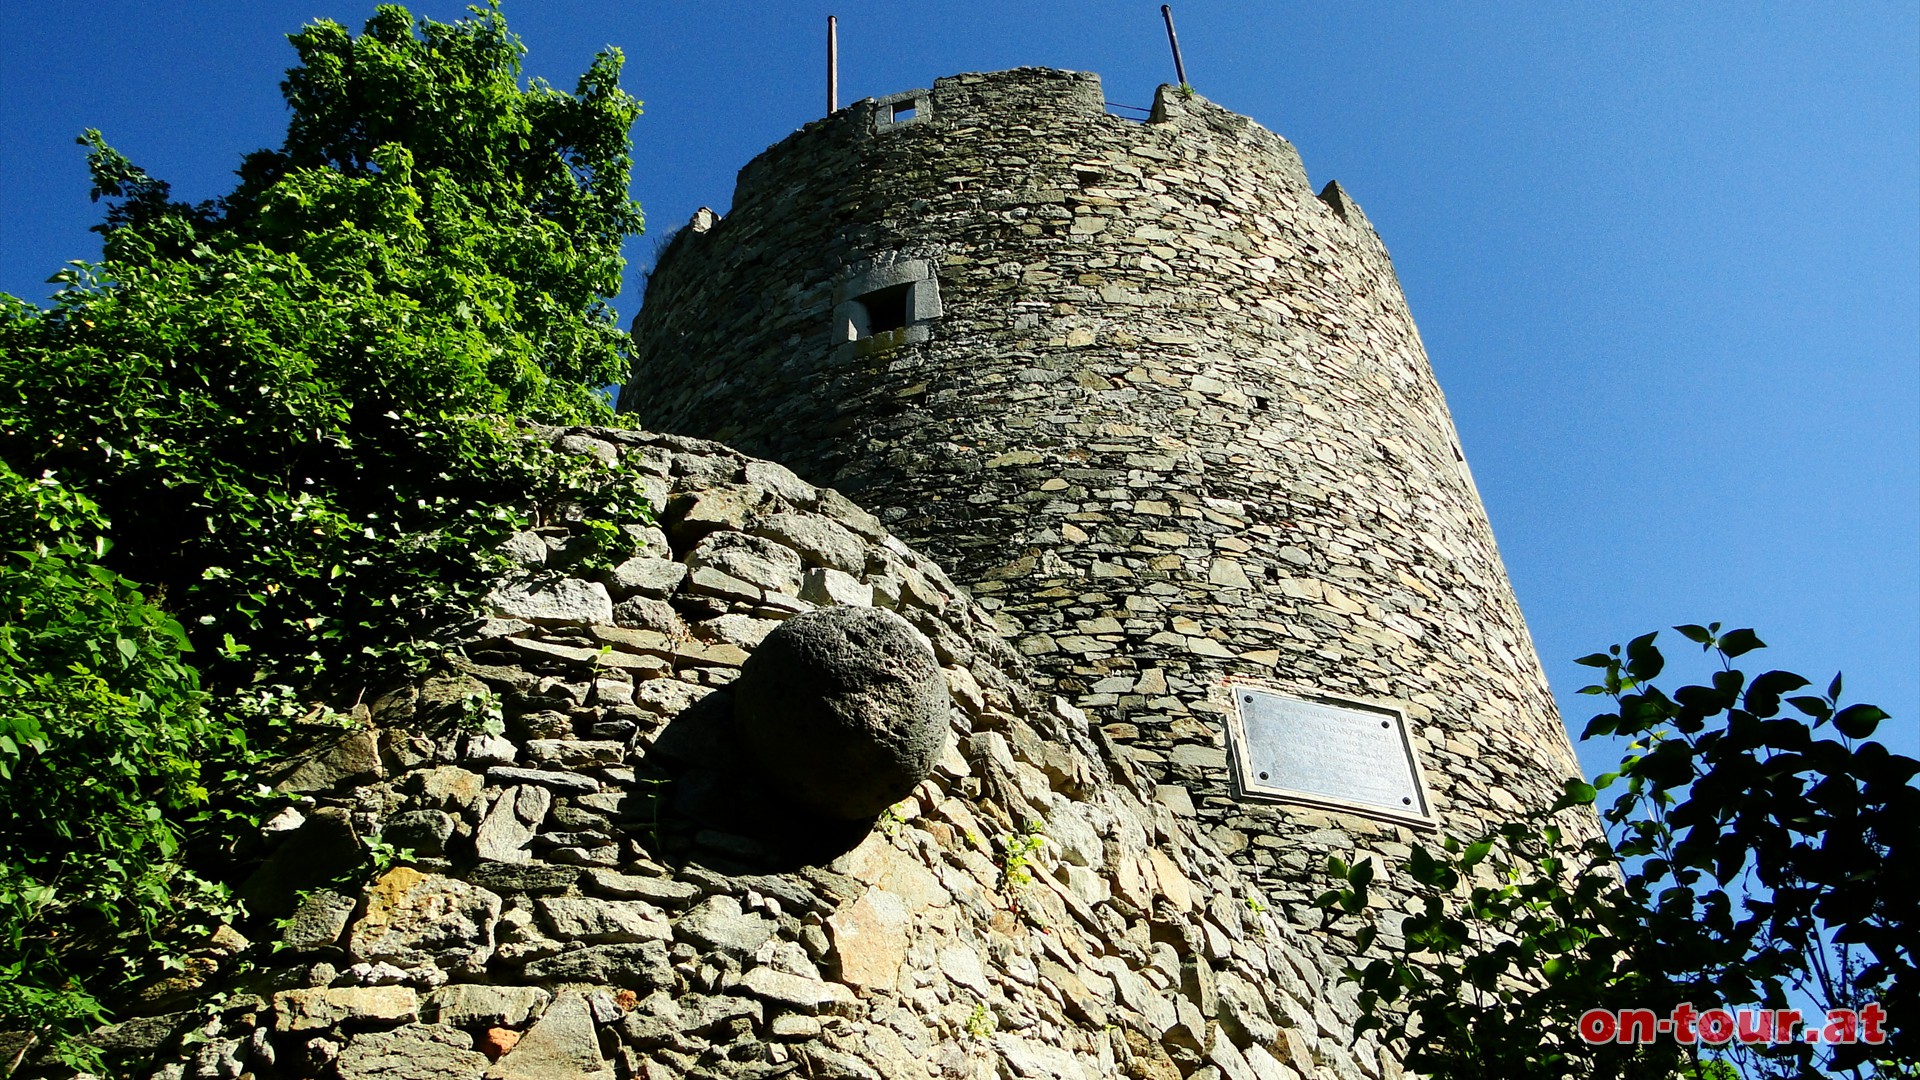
[886, 309]
[890, 302]
[899, 110]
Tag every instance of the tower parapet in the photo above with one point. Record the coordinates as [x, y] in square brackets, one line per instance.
[1155, 402]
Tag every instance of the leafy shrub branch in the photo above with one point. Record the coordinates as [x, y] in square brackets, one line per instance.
[1748, 862]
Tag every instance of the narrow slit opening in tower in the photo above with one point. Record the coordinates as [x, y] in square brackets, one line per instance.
[885, 309]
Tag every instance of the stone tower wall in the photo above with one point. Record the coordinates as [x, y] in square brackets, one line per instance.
[1169, 420]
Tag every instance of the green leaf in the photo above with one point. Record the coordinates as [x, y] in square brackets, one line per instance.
[1812, 706]
[1423, 868]
[1576, 793]
[1604, 724]
[1695, 633]
[1360, 874]
[1858, 721]
[1776, 682]
[1740, 642]
[1644, 662]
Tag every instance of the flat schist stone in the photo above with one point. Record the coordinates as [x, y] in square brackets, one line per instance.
[563, 1045]
[324, 1006]
[794, 991]
[657, 890]
[524, 877]
[350, 756]
[566, 600]
[585, 918]
[415, 1052]
[640, 966]
[720, 924]
[413, 918]
[469, 1004]
[558, 782]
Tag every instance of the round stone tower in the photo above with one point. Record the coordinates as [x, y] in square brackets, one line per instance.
[1163, 410]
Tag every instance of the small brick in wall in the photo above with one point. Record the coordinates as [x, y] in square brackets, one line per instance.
[600, 892]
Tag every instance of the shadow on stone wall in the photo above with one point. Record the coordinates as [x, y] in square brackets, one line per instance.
[713, 800]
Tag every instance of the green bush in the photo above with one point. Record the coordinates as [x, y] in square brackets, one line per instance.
[104, 736]
[1761, 854]
[295, 416]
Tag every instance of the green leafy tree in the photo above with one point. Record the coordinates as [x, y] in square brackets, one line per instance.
[285, 426]
[1749, 862]
[433, 246]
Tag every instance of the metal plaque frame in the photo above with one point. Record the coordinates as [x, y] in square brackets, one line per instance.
[1328, 752]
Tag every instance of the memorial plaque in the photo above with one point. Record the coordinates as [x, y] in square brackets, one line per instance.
[1325, 752]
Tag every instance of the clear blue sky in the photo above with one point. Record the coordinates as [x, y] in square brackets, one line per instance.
[1665, 256]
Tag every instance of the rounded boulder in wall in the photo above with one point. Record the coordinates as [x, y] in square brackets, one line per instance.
[843, 709]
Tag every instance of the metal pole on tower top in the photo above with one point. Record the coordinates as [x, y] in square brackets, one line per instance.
[833, 64]
[1173, 39]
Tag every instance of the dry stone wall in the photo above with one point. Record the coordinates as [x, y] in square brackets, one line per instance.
[599, 887]
[1173, 424]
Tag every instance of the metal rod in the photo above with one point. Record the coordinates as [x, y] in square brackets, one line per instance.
[833, 65]
[1173, 39]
